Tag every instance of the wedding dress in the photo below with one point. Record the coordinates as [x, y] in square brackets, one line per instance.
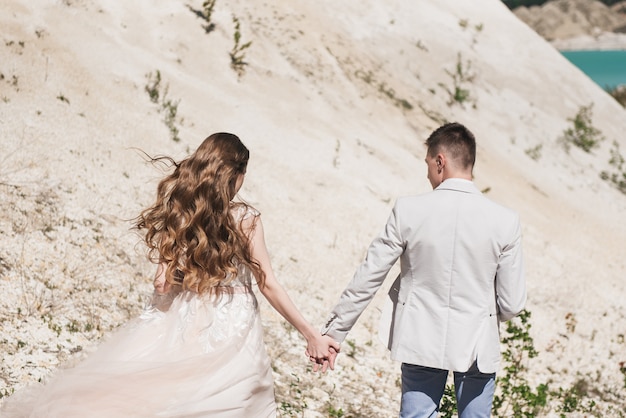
[187, 355]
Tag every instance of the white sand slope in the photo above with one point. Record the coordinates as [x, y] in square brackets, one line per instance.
[335, 103]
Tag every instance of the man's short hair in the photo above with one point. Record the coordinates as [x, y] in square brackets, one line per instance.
[458, 142]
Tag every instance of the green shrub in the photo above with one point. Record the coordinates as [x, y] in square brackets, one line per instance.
[207, 12]
[534, 152]
[237, 54]
[516, 397]
[448, 408]
[619, 94]
[462, 75]
[582, 134]
[154, 86]
[618, 175]
[158, 94]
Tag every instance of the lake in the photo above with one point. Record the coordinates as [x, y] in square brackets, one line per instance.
[606, 68]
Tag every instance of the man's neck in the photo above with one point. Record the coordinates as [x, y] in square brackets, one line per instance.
[457, 175]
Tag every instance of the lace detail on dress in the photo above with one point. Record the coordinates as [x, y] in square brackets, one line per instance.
[210, 320]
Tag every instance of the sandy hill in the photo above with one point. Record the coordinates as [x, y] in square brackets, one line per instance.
[335, 102]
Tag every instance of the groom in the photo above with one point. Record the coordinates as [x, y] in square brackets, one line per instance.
[461, 274]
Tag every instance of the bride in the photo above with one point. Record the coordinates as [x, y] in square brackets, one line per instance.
[197, 350]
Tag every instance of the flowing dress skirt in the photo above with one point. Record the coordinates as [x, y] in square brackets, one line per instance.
[202, 357]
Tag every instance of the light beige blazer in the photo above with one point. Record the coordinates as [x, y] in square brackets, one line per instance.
[461, 273]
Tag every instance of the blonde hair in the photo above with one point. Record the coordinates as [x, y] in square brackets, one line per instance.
[191, 226]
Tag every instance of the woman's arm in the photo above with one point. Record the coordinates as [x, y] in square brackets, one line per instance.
[318, 346]
[163, 294]
[161, 286]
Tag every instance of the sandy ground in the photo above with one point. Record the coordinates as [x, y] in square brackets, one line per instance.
[334, 103]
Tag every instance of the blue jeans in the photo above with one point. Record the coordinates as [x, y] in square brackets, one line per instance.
[423, 387]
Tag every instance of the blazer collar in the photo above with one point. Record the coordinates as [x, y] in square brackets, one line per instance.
[458, 185]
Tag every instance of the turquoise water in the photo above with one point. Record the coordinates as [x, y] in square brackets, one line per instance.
[606, 68]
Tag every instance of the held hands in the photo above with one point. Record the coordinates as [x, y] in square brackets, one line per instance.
[322, 351]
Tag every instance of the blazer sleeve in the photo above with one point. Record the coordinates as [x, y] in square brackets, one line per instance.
[381, 255]
[510, 282]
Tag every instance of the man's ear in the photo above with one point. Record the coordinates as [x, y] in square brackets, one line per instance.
[440, 160]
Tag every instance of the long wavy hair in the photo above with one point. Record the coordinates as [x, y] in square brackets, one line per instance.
[191, 226]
